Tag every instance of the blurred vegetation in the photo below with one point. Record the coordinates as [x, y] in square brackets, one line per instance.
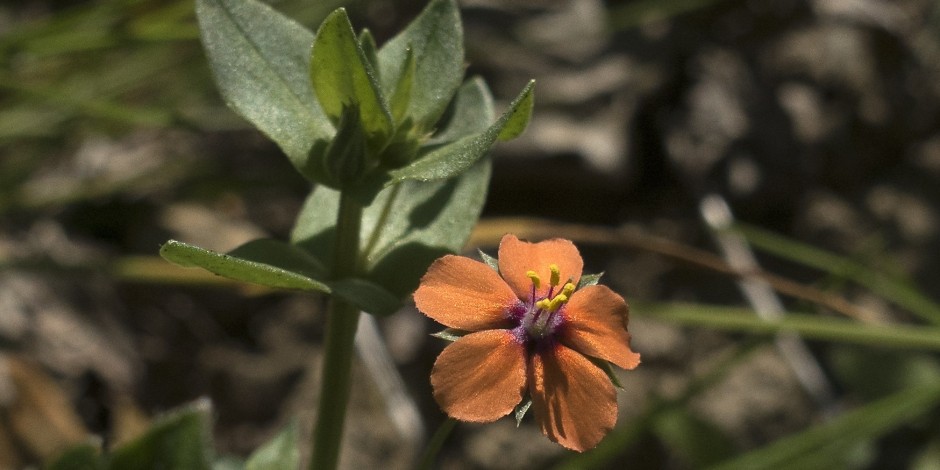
[84, 73]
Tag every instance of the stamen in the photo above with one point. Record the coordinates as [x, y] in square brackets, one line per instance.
[543, 304]
[567, 290]
[556, 274]
[535, 278]
[557, 302]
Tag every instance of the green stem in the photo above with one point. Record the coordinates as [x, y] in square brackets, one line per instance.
[340, 333]
[434, 446]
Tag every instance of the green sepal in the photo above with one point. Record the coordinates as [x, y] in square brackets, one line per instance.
[589, 279]
[260, 61]
[608, 369]
[450, 334]
[403, 147]
[453, 158]
[180, 439]
[489, 260]
[521, 409]
[281, 452]
[342, 76]
[435, 39]
[345, 160]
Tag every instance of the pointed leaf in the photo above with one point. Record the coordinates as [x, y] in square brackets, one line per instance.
[241, 269]
[180, 439]
[342, 76]
[260, 60]
[282, 255]
[281, 452]
[435, 38]
[370, 50]
[519, 119]
[405, 228]
[456, 157]
[401, 97]
[471, 112]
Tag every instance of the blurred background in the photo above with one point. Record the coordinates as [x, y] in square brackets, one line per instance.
[816, 123]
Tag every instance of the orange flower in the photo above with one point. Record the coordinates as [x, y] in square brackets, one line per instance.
[528, 334]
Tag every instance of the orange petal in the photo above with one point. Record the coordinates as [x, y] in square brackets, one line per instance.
[465, 294]
[517, 257]
[595, 324]
[480, 377]
[574, 400]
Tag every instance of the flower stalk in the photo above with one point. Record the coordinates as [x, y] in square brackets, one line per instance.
[342, 320]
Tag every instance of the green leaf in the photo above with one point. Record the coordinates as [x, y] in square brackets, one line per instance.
[456, 157]
[489, 260]
[369, 49]
[256, 263]
[342, 76]
[260, 60]
[180, 439]
[401, 97]
[367, 296]
[471, 112]
[405, 228]
[589, 280]
[435, 39]
[80, 457]
[521, 114]
[827, 444]
[280, 453]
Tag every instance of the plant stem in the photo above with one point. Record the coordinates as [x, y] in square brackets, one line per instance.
[435, 444]
[340, 333]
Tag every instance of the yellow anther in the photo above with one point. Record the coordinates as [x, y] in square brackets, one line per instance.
[543, 304]
[567, 290]
[557, 302]
[535, 278]
[556, 274]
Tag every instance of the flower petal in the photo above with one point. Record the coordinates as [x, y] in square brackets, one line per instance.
[481, 376]
[517, 257]
[575, 403]
[465, 294]
[595, 324]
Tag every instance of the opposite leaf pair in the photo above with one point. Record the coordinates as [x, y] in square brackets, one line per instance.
[390, 127]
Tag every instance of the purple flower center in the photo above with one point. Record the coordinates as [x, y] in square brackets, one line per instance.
[540, 317]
